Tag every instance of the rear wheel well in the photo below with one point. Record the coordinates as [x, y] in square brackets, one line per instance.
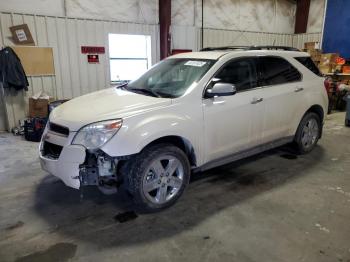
[317, 109]
[179, 142]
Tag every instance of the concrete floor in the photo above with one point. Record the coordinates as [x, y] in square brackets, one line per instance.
[272, 207]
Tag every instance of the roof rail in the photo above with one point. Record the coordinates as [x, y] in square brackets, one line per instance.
[273, 47]
[224, 48]
[254, 47]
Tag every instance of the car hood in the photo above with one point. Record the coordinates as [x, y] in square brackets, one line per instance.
[107, 104]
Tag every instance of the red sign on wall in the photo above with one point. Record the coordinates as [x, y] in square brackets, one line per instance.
[93, 59]
[93, 49]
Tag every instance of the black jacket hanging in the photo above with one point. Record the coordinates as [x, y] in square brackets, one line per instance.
[12, 74]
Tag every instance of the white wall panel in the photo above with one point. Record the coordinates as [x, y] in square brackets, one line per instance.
[145, 11]
[214, 37]
[44, 7]
[73, 75]
[184, 37]
[276, 16]
[316, 16]
[300, 39]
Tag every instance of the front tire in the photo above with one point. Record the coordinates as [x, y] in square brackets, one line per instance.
[157, 177]
[308, 133]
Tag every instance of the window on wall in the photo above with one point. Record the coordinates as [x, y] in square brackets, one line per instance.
[130, 56]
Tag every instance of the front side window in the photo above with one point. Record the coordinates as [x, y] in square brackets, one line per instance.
[171, 77]
[276, 70]
[241, 73]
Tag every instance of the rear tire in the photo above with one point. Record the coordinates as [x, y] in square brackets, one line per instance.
[157, 177]
[308, 133]
[347, 122]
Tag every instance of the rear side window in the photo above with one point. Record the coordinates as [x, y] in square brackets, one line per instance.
[241, 73]
[276, 71]
[307, 62]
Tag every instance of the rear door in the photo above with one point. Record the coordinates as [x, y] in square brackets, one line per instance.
[282, 91]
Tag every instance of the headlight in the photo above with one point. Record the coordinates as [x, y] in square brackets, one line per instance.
[97, 134]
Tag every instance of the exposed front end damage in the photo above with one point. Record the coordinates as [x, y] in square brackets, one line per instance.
[76, 166]
[100, 170]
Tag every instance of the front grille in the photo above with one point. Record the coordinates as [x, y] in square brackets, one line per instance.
[59, 129]
[51, 151]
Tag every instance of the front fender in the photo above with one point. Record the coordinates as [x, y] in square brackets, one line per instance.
[137, 132]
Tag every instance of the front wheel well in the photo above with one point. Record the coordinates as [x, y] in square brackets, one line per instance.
[179, 142]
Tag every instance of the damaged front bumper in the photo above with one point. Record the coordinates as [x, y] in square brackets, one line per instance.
[67, 166]
[76, 166]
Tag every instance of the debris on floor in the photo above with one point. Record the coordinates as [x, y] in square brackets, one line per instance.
[126, 216]
[289, 156]
[59, 252]
[322, 228]
[15, 225]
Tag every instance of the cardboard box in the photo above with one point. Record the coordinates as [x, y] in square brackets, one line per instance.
[316, 58]
[312, 45]
[328, 59]
[315, 54]
[338, 68]
[314, 51]
[346, 69]
[21, 35]
[326, 69]
[38, 107]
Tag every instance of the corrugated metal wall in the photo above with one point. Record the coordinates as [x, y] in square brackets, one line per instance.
[73, 75]
[214, 37]
[190, 38]
[300, 39]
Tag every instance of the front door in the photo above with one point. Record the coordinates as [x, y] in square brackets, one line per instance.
[234, 123]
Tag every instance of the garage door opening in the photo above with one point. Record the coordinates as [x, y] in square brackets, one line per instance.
[130, 56]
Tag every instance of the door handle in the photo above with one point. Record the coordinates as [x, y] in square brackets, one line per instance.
[257, 100]
[298, 89]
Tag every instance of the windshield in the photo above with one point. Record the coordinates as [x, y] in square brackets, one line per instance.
[171, 77]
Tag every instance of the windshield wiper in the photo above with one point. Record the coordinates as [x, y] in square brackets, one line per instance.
[122, 85]
[143, 90]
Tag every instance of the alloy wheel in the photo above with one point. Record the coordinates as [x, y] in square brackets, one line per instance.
[310, 133]
[163, 180]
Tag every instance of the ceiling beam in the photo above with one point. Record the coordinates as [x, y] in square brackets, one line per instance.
[164, 27]
[301, 16]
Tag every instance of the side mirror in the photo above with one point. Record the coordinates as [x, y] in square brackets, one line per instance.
[221, 89]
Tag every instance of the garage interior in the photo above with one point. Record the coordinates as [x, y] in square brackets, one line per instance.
[275, 206]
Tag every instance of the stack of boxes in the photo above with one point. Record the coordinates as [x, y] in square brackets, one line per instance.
[313, 48]
[327, 63]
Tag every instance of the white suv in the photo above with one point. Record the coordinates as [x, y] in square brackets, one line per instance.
[188, 113]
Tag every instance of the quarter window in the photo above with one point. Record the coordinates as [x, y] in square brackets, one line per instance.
[275, 71]
[241, 73]
[307, 62]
